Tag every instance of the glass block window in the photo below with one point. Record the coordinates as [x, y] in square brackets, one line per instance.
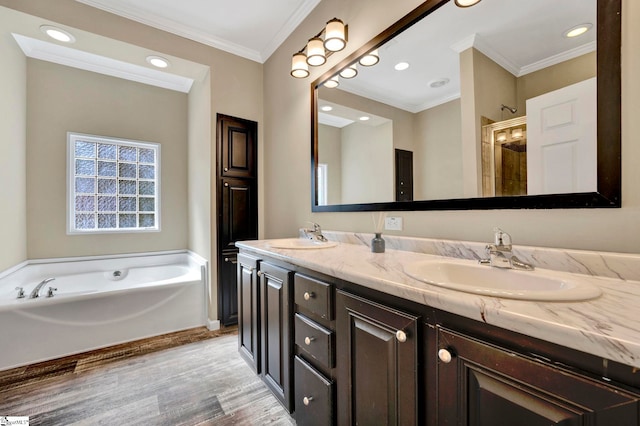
[114, 185]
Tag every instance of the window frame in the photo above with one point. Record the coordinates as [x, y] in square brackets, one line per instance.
[72, 137]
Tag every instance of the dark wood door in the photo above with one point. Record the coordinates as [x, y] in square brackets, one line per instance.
[276, 337]
[488, 386]
[377, 363]
[237, 197]
[238, 153]
[248, 310]
[404, 175]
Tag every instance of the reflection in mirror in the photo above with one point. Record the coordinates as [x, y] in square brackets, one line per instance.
[461, 78]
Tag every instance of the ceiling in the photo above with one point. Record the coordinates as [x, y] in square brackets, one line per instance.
[253, 29]
[521, 36]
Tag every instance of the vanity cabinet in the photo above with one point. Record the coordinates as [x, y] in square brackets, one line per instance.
[248, 310]
[377, 363]
[276, 363]
[315, 351]
[482, 384]
[334, 352]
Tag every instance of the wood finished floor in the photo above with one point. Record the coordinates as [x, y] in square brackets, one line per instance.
[187, 378]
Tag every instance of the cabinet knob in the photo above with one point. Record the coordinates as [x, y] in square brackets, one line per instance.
[307, 399]
[226, 259]
[226, 184]
[226, 169]
[308, 295]
[308, 340]
[445, 356]
[401, 336]
[259, 273]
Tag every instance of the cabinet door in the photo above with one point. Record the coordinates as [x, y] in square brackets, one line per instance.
[377, 363]
[248, 311]
[276, 363]
[238, 148]
[480, 384]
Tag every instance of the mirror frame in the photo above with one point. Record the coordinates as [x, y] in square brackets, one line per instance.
[609, 178]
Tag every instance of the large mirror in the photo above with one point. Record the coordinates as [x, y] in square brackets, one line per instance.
[494, 106]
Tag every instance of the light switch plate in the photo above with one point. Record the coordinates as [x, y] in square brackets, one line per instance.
[393, 223]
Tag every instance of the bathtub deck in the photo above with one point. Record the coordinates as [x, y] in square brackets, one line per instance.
[186, 378]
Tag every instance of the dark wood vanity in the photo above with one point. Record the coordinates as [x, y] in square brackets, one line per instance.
[334, 352]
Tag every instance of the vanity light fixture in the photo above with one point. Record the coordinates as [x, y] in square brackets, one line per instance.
[501, 137]
[332, 83]
[299, 67]
[516, 133]
[349, 72]
[57, 34]
[578, 30]
[332, 38]
[466, 3]
[335, 35]
[158, 61]
[315, 52]
[370, 59]
[401, 66]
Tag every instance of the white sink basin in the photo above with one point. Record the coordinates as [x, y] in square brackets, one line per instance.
[471, 277]
[301, 244]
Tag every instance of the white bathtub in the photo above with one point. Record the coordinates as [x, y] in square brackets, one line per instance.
[98, 302]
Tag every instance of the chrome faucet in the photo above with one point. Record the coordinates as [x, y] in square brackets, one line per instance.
[315, 233]
[501, 254]
[35, 293]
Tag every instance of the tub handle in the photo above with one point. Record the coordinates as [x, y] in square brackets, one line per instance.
[20, 292]
[51, 290]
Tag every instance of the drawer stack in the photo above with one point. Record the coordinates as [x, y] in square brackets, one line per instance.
[314, 359]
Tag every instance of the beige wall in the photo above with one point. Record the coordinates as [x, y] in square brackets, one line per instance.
[367, 163]
[13, 110]
[62, 99]
[287, 120]
[330, 153]
[235, 87]
[553, 78]
[437, 161]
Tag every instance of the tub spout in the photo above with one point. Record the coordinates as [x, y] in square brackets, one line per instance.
[35, 293]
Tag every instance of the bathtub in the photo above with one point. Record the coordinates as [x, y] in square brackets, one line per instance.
[98, 302]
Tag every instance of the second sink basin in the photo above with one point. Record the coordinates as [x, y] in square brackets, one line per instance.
[471, 277]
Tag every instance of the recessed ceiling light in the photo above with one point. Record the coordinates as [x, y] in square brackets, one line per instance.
[57, 34]
[577, 30]
[438, 83]
[401, 66]
[326, 108]
[364, 118]
[158, 61]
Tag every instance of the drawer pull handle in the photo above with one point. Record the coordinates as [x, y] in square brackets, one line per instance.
[401, 336]
[445, 356]
[307, 399]
[308, 340]
[309, 295]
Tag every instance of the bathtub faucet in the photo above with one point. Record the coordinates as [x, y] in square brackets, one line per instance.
[35, 293]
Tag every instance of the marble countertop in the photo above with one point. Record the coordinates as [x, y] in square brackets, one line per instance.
[608, 326]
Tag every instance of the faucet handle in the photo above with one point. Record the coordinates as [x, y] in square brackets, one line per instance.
[51, 290]
[501, 238]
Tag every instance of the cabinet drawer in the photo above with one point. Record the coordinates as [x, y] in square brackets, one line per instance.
[315, 340]
[314, 296]
[313, 396]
